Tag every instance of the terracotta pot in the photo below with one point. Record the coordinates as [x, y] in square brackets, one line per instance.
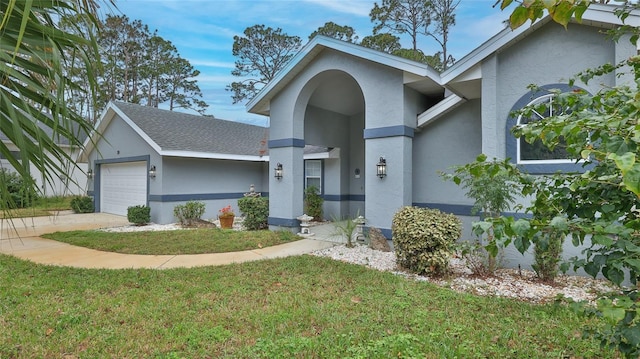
[226, 222]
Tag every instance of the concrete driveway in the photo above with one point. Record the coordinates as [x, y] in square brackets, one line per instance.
[21, 238]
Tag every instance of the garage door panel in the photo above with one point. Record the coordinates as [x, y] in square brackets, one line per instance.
[122, 185]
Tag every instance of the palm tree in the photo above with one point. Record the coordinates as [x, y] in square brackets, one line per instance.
[35, 54]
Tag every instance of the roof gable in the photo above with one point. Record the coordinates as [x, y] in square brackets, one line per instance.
[179, 134]
[597, 15]
[413, 70]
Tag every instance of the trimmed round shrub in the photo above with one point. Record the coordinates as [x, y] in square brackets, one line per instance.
[139, 215]
[82, 204]
[255, 211]
[424, 238]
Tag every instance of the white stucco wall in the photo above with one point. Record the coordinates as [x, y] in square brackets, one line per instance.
[57, 184]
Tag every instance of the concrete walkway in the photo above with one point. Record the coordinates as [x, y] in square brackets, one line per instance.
[21, 238]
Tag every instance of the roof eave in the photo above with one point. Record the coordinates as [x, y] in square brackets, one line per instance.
[215, 156]
[596, 14]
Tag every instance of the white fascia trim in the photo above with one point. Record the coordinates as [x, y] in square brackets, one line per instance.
[214, 156]
[383, 58]
[606, 14]
[333, 153]
[438, 110]
[600, 13]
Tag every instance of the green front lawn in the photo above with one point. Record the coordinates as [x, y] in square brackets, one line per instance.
[296, 307]
[44, 206]
[188, 241]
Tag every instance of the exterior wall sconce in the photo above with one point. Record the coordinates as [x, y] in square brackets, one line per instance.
[152, 172]
[381, 168]
[89, 173]
[278, 171]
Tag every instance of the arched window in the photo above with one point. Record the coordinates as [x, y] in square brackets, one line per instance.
[536, 152]
[535, 157]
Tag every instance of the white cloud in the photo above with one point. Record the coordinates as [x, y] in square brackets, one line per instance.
[354, 7]
[472, 31]
[210, 63]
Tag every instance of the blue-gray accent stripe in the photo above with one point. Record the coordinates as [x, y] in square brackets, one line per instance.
[283, 222]
[391, 131]
[286, 142]
[97, 175]
[386, 232]
[465, 210]
[194, 197]
[343, 197]
[457, 209]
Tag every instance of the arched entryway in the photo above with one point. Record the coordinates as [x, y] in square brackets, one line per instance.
[358, 111]
[334, 122]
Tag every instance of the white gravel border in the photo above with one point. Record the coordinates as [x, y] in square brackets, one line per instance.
[511, 283]
[522, 285]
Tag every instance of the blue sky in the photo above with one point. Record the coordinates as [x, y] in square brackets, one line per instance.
[203, 33]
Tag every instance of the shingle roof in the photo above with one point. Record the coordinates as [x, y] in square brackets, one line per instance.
[176, 131]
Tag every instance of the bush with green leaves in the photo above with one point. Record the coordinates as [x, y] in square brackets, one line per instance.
[21, 193]
[255, 211]
[82, 204]
[139, 215]
[313, 202]
[547, 255]
[189, 212]
[597, 208]
[424, 239]
[493, 185]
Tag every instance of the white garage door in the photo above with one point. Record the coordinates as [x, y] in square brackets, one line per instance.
[122, 185]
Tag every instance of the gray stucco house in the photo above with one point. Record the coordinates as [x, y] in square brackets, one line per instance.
[361, 106]
[160, 158]
[372, 105]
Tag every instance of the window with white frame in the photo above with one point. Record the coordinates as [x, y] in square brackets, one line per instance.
[313, 174]
[542, 107]
[536, 158]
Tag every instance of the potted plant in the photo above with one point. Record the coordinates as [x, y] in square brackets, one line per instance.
[226, 217]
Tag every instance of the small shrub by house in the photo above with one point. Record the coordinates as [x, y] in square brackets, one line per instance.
[255, 211]
[82, 204]
[313, 202]
[21, 193]
[139, 215]
[189, 212]
[423, 239]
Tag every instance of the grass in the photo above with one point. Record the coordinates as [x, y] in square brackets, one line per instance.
[298, 307]
[192, 241]
[44, 206]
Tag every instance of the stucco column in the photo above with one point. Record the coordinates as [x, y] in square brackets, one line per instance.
[490, 130]
[385, 196]
[286, 146]
[286, 194]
